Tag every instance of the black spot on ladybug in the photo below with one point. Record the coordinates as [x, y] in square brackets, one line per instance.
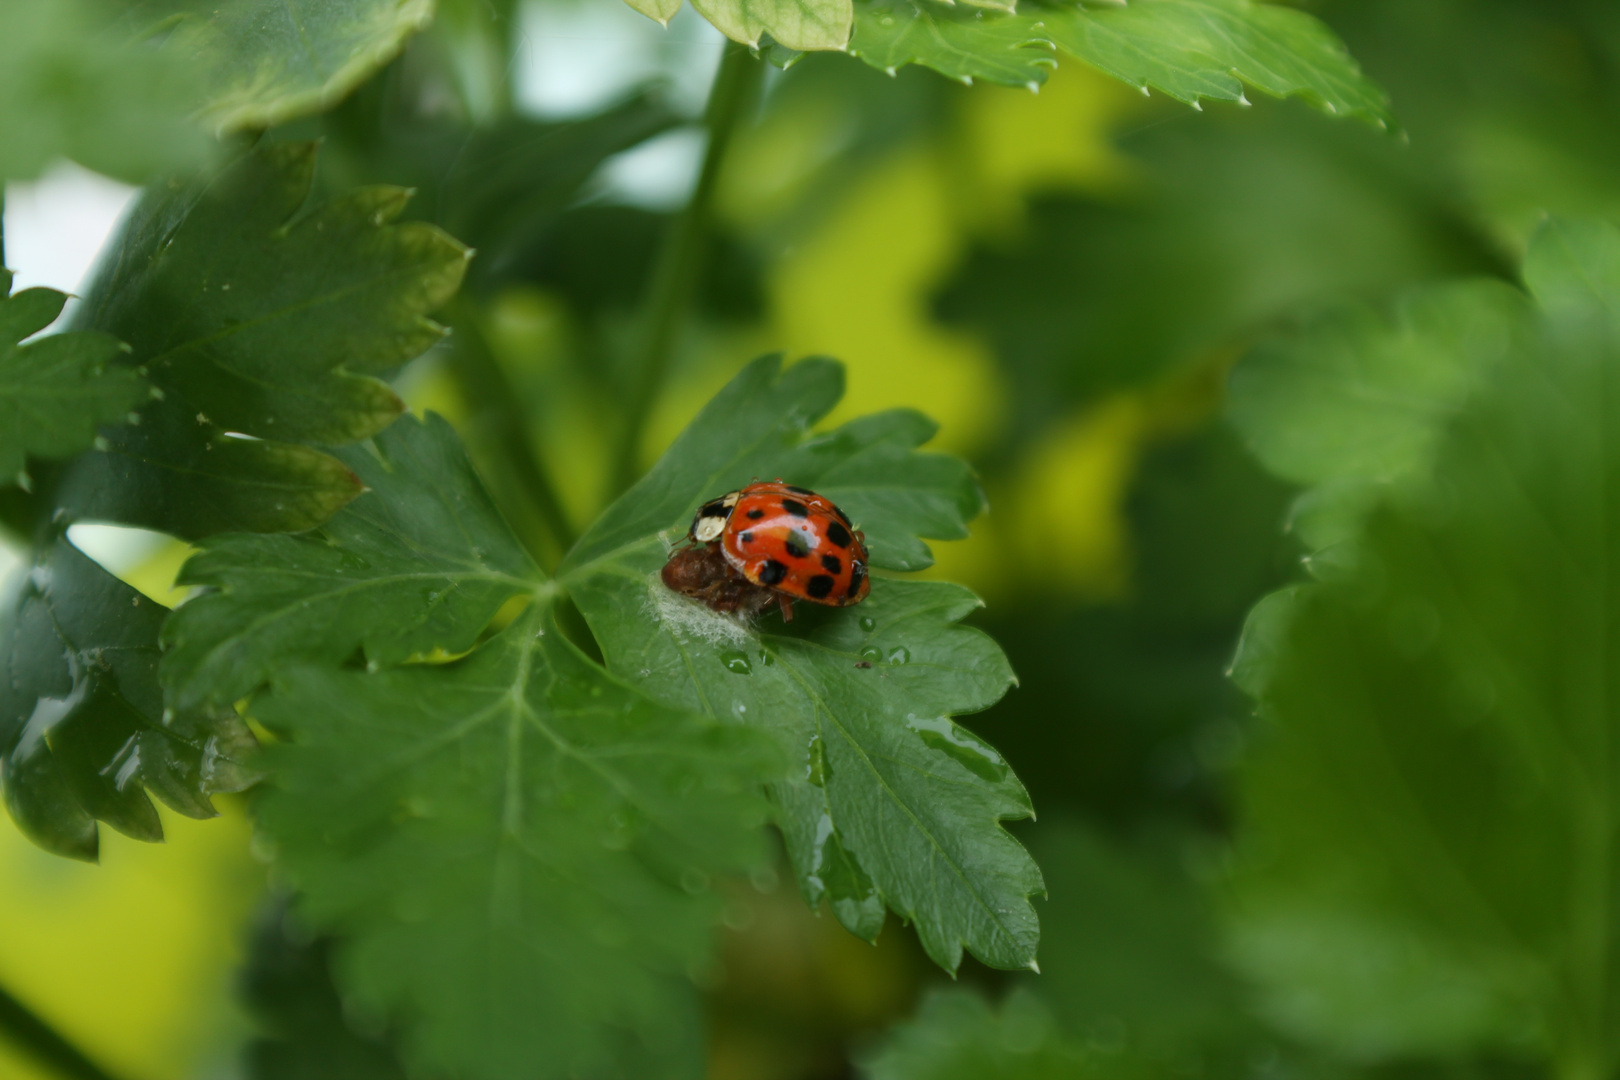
[841, 515]
[831, 564]
[796, 508]
[755, 514]
[796, 546]
[747, 538]
[839, 535]
[798, 489]
[773, 572]
[819, 587]
[857, 574]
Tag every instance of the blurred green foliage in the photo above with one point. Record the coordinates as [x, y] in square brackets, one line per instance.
[1241, 366]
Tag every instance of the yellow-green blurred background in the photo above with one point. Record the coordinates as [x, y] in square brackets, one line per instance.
[1059, 279]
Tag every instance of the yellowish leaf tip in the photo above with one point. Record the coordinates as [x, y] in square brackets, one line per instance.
[1033, 966]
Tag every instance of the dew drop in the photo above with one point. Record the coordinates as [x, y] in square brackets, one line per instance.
[815, 769]
[902, 655]
[736, 662]
[871, 654]
[868, 623]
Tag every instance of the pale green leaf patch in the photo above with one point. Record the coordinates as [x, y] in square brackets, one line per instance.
[264, 62]
[1440, 714]
[795, 24]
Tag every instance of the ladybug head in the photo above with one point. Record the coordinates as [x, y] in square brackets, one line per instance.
[711, 518]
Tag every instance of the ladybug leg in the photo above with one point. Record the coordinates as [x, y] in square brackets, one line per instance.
[786, 603]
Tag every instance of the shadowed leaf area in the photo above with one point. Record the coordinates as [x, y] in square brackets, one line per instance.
[54, 391]
[256, 315]
[306, 1033]
[84, 734]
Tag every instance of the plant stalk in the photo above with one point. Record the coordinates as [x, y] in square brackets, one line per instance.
[486, 385]
[681, 259]
[38, 1039]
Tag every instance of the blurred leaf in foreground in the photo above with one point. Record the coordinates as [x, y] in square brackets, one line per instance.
[1429, 822]
[264, 62]
[891, 802]
[72, 86]
[1356, 403]
[54, 391]
[83, 728]
[957, 1035]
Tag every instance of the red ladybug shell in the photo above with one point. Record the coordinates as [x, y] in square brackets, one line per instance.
[788, 539]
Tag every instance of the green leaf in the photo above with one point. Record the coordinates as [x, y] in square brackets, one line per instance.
[1357, 402]
[288, 986]
[892, 802]
[961, 42]
[55, 390]
[1362, 396]
[517, 848]
[956, 1035]
[419, 563]
[264, 62]
[796, 24]
[1431, 855]
[659, 11]
[1193, 49]
[175, 474]
[74, 87]
[255, 314]
[1188, 49]
[82, 721]
[514, 827]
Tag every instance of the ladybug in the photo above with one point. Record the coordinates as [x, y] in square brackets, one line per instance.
[771, 541]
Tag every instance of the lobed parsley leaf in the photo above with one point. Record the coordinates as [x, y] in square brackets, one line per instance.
[1197, 49]
[891, 803]
[1188, 49]
[83, 726]
[514, 846]
[54, 390]
[516, 849]
[256, 315]
[420, 563]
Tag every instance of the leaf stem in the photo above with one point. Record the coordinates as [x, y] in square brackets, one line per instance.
[486, 385]
[680, 261]
[37, 1038]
